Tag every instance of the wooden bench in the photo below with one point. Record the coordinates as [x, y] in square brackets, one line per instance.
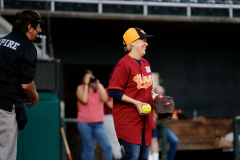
[201, 134]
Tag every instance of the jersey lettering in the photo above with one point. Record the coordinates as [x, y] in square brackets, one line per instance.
[6, 42]
[2, 41]
[15, 46]
[143, 81]
[148, 70]
[9, 43]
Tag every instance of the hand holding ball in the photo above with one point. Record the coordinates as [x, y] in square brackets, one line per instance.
[146, 108]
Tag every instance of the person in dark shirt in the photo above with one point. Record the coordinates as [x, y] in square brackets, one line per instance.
[18, 57]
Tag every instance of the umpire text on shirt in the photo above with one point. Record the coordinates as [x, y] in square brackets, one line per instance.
[18, 57]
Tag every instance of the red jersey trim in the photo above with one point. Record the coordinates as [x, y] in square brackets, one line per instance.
[113, 87]
[135, 61]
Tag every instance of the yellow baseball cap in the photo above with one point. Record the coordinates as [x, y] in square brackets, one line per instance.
[133, 34]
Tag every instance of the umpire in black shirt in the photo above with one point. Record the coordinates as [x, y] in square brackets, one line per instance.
[18, 57]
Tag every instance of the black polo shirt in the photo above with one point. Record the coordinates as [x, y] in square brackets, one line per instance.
[18, 57]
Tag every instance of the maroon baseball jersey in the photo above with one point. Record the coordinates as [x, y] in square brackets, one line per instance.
[106, 109]
[136, 83]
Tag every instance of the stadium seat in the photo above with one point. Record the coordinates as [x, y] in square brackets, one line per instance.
[108, 9]
[199, 11]
[211, 1]
[184, 1]
[138, 9]
[210, 12]
[132, 9]
[118, 9]
[202, 1]
[236, 12]
[17, 5]
[166, 0]
[228, 2]
[175, 11]
[219, 2]
[76, 7]
[193, 1]
[27, 5]
[236, 2]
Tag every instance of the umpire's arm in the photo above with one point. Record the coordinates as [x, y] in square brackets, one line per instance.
[31, 92]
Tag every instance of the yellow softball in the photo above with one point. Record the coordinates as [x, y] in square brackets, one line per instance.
[146, 108]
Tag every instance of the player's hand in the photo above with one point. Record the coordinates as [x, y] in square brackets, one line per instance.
[154, 95]
[99, 85]
[28, 99]
[33, 101]
[97, 81]
[138, 105]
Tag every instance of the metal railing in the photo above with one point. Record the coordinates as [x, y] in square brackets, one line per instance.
[144, 4]
[236, 121]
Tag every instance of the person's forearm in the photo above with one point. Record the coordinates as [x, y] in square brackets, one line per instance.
[102, 92]
[154, 95]
[128, 99]
[103, 96]
[109, 104]
[84, 97]
[138, 104]
[30, 91]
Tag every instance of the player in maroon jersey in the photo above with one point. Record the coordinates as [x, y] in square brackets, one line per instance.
[130, 88]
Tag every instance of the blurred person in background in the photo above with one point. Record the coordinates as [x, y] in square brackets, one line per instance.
[154, 149]
[180, 114]
[109, 125]
[18, 57]
[91, 96]
[172, 139]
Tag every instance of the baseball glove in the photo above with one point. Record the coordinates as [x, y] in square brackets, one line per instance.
[164, 107]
